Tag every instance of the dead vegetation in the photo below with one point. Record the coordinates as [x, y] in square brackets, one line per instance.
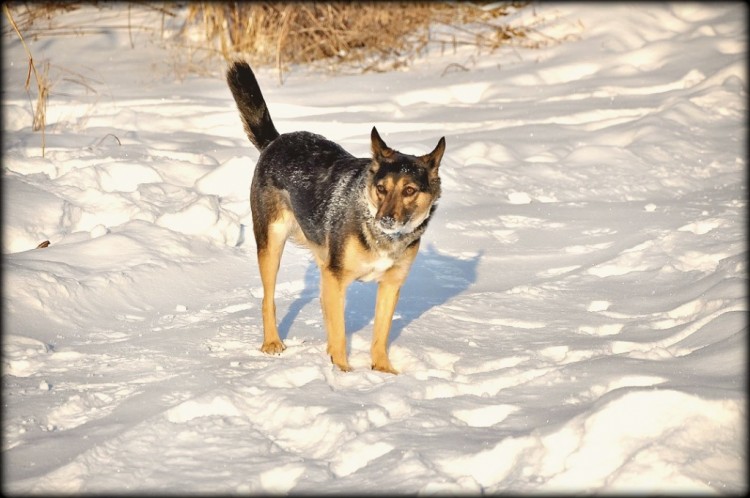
[334, 36]
[371, 36]
[41, 79]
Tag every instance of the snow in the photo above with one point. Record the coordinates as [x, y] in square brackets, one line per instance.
[575, 320]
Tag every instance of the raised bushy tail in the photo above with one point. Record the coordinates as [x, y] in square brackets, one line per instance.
[253, 111]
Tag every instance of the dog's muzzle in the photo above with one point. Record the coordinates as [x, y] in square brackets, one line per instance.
[391, 227]
[387, 222]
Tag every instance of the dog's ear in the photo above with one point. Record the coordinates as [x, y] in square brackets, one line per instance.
[433, 158]
[379, 149]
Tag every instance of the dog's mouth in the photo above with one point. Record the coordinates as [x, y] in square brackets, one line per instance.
[390, 226]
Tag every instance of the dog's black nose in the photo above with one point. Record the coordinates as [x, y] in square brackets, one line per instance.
[387, 222]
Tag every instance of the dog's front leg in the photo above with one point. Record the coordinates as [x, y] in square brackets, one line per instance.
[333, 301]
[385, 305]
[389, 288]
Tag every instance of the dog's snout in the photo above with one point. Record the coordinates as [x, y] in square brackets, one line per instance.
[387, 221]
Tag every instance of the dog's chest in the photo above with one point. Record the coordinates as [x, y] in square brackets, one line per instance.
[374, 269]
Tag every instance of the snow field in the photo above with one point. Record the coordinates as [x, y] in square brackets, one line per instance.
[575, 320]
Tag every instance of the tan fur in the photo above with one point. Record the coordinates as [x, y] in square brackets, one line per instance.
[359, 264]
[396, 203]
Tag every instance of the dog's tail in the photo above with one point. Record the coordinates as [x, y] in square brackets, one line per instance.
[253, 111]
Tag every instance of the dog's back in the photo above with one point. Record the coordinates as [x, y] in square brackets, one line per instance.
[319, 176]
[323, 183]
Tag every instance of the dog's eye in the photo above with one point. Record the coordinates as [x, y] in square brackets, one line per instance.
[409, 191]
[381, 189]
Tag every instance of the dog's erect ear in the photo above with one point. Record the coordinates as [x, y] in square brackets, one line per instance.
[379, 148]
[433, 158]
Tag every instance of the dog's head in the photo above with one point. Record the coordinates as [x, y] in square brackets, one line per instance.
[402, 189]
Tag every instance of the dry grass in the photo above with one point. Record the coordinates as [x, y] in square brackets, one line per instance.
[26, 14]
[363, 36]
[25, 18]
[369, 35]
[42, 80]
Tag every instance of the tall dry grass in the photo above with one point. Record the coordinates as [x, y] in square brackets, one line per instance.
[369, 35]
[365, 36]
[42, 80]
[24, 20]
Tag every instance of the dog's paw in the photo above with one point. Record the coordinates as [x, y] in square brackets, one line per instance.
[384, 367]
[343, 365]
[273, 347]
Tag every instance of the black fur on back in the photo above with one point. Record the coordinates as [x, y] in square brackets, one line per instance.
[324, 184]
[253, 110]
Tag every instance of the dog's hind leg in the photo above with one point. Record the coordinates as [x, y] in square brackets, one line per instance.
[333, 302]
[269, 258]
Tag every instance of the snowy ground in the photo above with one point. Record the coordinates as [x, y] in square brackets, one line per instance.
[576, 319]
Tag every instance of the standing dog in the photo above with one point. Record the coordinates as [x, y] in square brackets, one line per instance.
[361, 218]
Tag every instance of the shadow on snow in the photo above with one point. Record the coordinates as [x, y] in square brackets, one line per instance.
[434, 279]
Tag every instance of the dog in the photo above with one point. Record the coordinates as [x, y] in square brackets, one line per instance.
[362, 218]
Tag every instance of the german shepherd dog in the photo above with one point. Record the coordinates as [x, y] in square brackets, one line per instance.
[362, 218]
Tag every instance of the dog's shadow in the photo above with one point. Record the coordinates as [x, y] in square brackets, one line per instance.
[433, 280]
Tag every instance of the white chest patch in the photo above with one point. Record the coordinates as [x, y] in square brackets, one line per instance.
[375, 269]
